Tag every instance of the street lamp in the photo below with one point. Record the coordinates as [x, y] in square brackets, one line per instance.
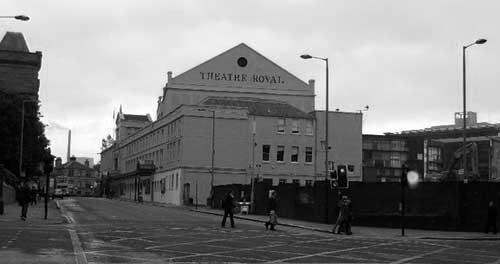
[212, 156]
[18, 17]
[464, 160]
[22, 135]
[307, 56]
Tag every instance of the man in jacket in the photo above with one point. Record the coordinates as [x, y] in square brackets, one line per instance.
[271, 210]
[492, 218]
[228, 204]
[23, 198]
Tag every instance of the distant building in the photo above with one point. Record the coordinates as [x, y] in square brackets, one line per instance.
[436, 152]
[74, 177]
[238, 113]
[383, 158]
[89, 162]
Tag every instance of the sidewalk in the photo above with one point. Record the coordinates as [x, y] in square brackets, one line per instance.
[363, 231]
[36, 214]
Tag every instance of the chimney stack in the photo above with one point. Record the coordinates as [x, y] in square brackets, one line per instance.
[69, 146]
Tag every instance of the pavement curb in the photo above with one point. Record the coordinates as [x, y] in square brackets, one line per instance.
[329, 232]
[262, 221]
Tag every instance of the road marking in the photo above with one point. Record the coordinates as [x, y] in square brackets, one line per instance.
[333, 251]
[77, 248]
[420, 255]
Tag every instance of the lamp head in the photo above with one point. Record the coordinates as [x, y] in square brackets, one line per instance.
[480, 41]
[306, 56]
[22, 17]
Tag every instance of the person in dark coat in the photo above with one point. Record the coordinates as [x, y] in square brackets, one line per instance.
[492, 218]
[271, 210]
[33, 196]
[345, 216]
[23, 198]
[228, 204]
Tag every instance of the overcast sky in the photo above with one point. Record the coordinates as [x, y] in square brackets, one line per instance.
[402, 58]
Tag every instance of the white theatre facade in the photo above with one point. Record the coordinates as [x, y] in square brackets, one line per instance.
[227, 120]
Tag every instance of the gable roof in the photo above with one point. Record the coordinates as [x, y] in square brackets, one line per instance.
[259, 107]
[14, 41]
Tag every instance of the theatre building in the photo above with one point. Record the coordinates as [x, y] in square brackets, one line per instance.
[232, 118]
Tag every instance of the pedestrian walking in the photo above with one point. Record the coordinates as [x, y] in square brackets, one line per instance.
[228, 204]
[345, 217]
[491, 220]
[271, 210]
[23, 197]
[33, 196]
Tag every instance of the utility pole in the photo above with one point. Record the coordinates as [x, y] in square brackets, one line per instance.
[1, 189]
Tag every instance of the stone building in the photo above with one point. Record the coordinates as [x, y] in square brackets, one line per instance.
[232, 118]
[75, 178]
[19, 67]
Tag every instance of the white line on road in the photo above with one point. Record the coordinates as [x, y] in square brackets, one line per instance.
[333, 251]
[420, 255]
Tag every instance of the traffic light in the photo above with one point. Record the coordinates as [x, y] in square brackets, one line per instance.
[333, 175]
[342, 180]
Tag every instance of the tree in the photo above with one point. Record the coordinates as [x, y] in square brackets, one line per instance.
[35, 144]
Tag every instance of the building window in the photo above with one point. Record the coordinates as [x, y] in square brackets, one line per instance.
[309, 182]
[266, 149]
[309, 154]
[281, 126]
[282, 181]
[309, 127]
[295, 154]
[295, 126]
[296, 181]
[280, 153]
[177, 181]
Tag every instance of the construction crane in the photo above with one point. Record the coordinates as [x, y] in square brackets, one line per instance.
[471, 154]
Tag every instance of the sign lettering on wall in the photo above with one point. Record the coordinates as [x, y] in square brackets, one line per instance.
[242, 77]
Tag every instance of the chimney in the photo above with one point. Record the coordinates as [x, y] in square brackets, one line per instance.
[311, 84]
[69, 146]
[58, 162]
[87, 163]
[169, 76]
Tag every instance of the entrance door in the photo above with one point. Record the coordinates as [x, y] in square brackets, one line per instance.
[185, 193]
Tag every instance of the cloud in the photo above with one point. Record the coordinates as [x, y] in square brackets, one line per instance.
[402, 58]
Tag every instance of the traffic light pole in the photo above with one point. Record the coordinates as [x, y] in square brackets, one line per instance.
[402, 204]
[47, 183]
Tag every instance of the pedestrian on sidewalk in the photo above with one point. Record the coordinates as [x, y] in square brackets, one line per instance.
[228, 204]
[23, 197]
[271, 210]
[33, 195]
[345, 216]
[491, 218]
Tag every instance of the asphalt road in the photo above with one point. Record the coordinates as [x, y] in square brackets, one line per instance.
[111, 231]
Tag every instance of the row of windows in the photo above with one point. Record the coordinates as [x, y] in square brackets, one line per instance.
[296, 181]
[294, 153]
[156, 137]
[172, 149]
[294, 127]
[166, 183]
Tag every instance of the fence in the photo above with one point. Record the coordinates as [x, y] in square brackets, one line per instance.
[430, 205]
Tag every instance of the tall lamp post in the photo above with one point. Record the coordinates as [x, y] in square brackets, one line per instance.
[307, 56]
[464, 117]
[22, 136]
